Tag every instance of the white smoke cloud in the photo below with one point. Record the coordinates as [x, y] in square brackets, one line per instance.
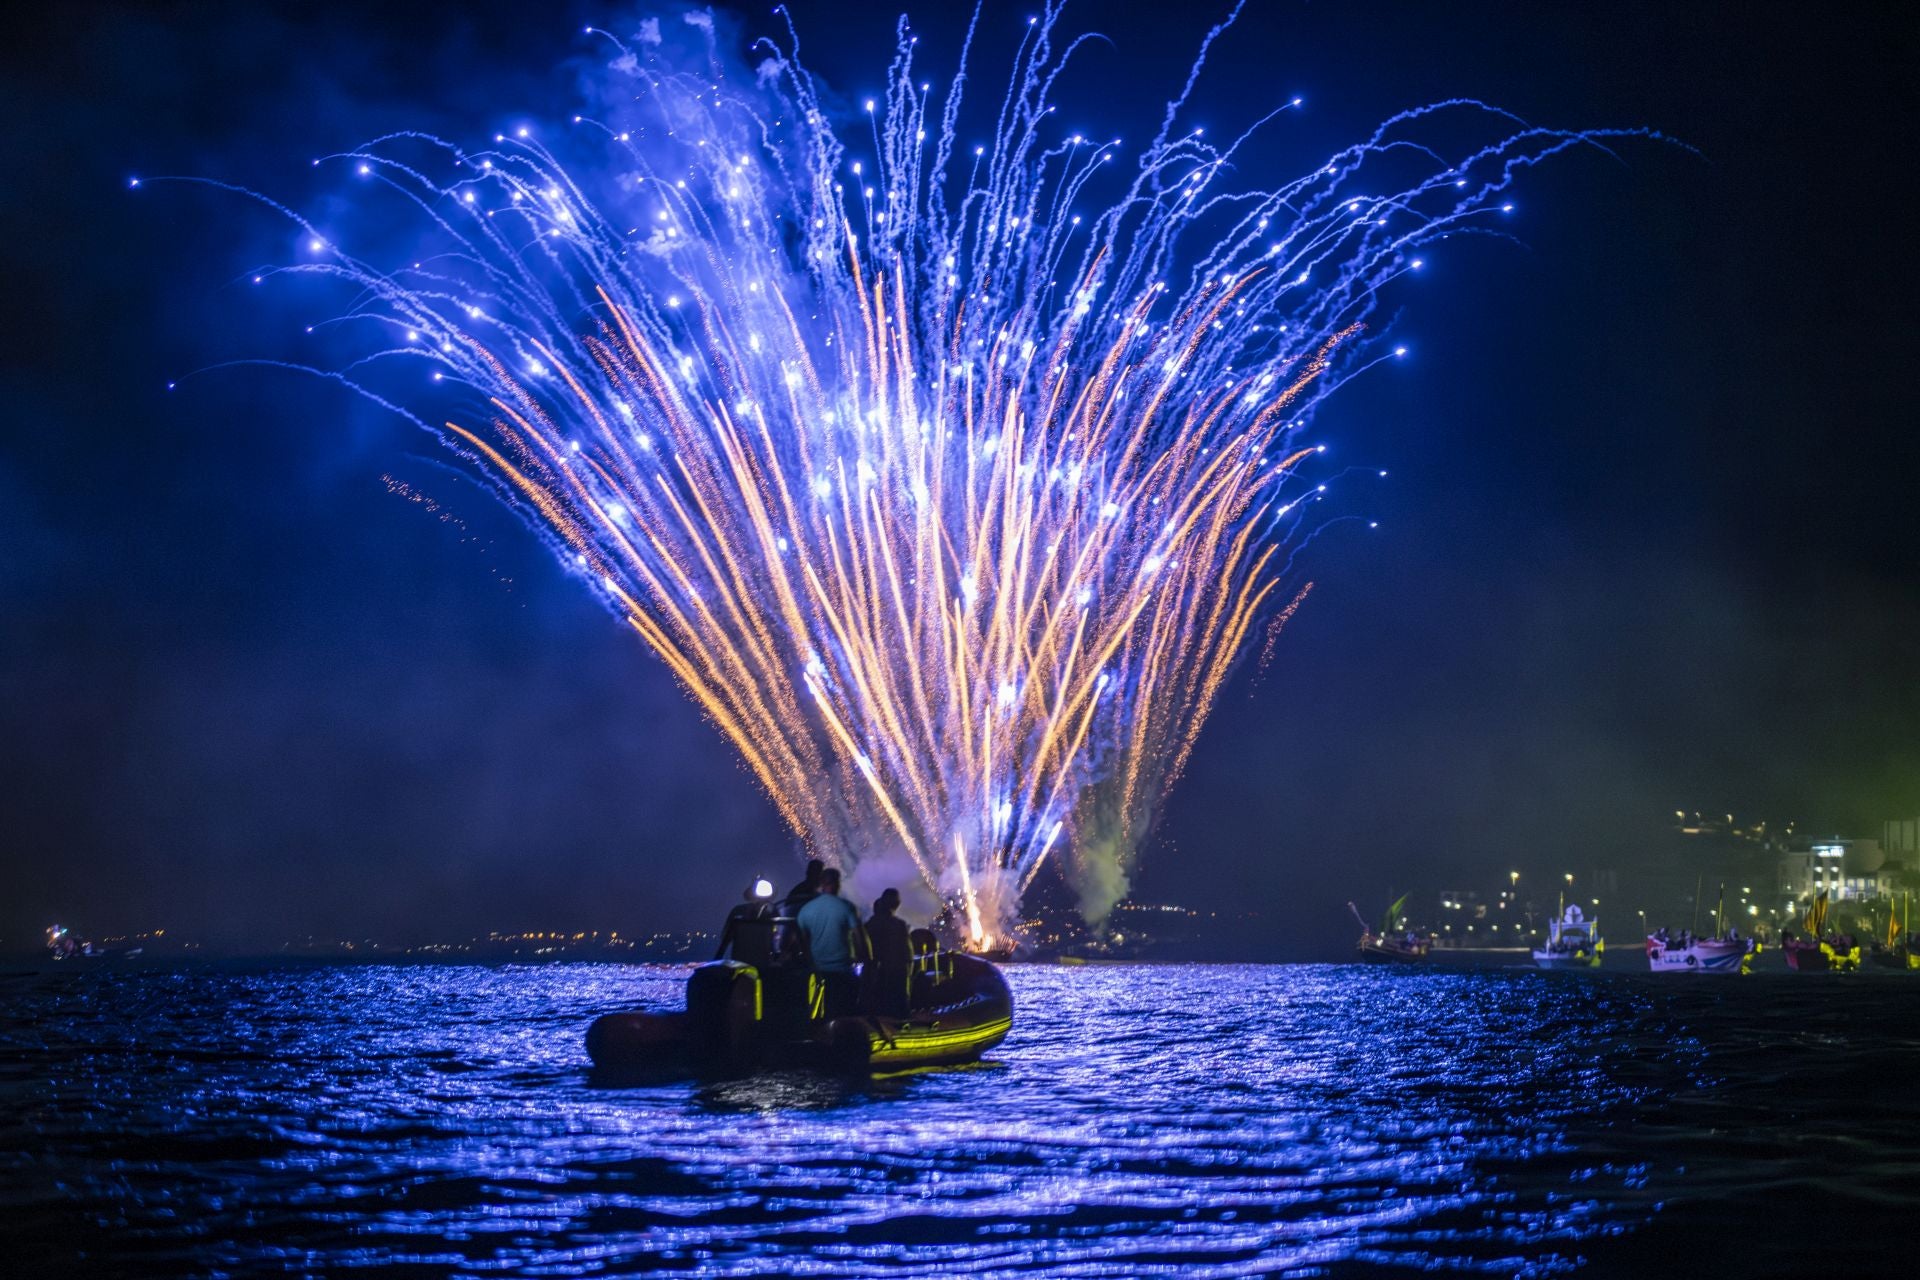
[1099, 867]
[890, 868]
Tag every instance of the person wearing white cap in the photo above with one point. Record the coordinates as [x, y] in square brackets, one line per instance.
[749, 927]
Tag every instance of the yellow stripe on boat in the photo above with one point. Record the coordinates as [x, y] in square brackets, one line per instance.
[881, 1050]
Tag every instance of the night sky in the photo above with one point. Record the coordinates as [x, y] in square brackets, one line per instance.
[1650, 538]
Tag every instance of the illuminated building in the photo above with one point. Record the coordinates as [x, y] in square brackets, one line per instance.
[1845, 870]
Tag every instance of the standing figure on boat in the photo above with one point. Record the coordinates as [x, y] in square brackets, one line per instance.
[806, 891]
[829, 926]
[748, 932]
[891, 967]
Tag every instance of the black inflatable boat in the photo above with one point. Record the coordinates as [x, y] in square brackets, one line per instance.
[746, 1017]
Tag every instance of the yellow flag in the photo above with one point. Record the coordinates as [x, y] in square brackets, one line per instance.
[1816, 921]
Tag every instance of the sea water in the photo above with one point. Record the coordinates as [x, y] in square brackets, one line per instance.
[1140, 1120]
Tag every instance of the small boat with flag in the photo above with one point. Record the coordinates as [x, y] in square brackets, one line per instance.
[1724, 952]
[1820, 950]
[1688, 954]
[1898, 952]
[1573, 941]
[1391, 942]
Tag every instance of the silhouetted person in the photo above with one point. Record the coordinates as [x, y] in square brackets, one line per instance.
[892, 961]
[804, 892]
[831, 929]
[749, 927]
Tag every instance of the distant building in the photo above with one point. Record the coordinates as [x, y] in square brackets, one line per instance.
[1900, 837]
[1845, 870]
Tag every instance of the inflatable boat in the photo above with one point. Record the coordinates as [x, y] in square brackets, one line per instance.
[744, 1017]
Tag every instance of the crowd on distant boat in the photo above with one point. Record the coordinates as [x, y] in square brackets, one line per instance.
[1687, 939]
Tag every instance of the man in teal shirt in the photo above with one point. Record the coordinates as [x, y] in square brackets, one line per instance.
[831, 926]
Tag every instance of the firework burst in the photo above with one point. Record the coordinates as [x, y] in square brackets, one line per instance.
[950, 481]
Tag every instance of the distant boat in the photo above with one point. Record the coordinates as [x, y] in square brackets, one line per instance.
[62, 945]
[1820, 951]
[1699, 955]
[1836, 953]
[1898, 951]
[1573, 942]
[1725, 952]
[1388, 944]
[1900, 955]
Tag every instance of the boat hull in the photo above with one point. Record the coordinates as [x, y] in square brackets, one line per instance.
[1820, 957]
[1544, 960]
[976, 1020]
[1573, 941]
[1805, 957]
[1375, 952]
[641, 1041]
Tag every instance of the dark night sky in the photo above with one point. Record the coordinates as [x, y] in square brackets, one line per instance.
[1650, 538]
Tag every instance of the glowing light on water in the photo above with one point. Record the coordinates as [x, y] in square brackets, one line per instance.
[948, 492]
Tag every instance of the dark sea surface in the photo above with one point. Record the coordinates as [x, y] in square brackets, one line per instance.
[1141, 1120]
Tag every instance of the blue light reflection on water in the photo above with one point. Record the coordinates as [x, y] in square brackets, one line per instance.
[1142, 1120]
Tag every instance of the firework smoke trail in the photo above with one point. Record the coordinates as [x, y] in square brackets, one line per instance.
[948, 480]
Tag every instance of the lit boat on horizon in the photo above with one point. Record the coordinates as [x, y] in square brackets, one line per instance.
[1390, 944]
[1820, 951]
[1573, 942]
[1724, 952]
[62, 945]
[1898, 951]
[1700, 955]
